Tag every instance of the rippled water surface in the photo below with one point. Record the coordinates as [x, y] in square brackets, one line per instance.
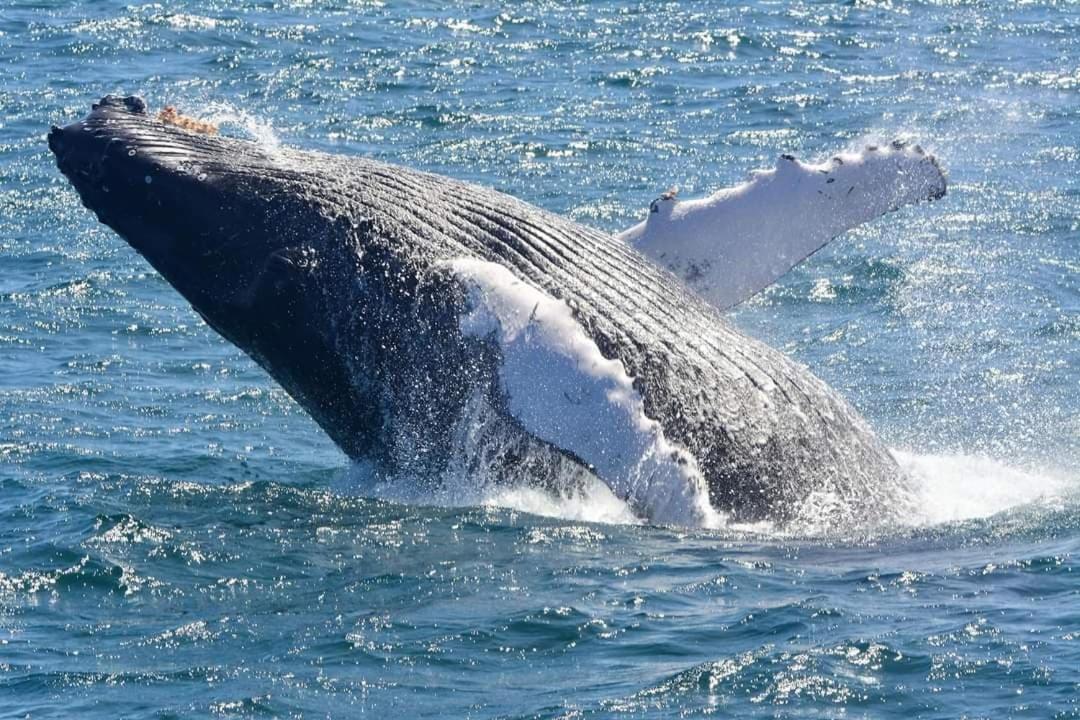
[175, 539]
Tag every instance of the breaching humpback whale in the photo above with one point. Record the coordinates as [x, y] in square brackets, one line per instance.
[433, 326]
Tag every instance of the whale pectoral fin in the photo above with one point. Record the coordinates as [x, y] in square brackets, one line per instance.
[733, 244]
[559, 387]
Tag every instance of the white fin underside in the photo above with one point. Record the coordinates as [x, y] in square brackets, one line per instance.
[561, 389]
[740, 240]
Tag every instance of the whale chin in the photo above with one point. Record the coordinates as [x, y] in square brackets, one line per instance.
[409, 313]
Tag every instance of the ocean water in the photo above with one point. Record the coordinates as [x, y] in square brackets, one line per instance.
[177, 539]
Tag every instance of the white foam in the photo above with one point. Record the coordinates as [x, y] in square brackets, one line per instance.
[964, 487]
[593, 501]
[951, 488]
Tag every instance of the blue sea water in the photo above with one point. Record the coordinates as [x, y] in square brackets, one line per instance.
[177, 538]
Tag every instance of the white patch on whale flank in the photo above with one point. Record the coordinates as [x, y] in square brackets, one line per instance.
[563, 390]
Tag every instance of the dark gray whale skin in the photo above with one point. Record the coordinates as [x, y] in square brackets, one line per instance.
[331, 272]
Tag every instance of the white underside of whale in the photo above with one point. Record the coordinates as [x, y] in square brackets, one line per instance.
[738, 241]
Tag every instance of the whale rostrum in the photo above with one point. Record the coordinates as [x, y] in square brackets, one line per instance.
[432, 326]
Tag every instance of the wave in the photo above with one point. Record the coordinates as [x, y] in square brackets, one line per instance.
[949, 488]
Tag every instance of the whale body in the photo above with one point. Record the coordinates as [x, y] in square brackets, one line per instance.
[432, 326]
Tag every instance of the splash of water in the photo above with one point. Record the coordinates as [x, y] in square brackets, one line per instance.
[590, 501]
[951, 488]
[230, 117]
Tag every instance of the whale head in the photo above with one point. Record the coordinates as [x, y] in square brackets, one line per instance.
[237, 230]
[203, 211]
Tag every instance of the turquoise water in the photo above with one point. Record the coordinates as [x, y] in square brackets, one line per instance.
[177, 539]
